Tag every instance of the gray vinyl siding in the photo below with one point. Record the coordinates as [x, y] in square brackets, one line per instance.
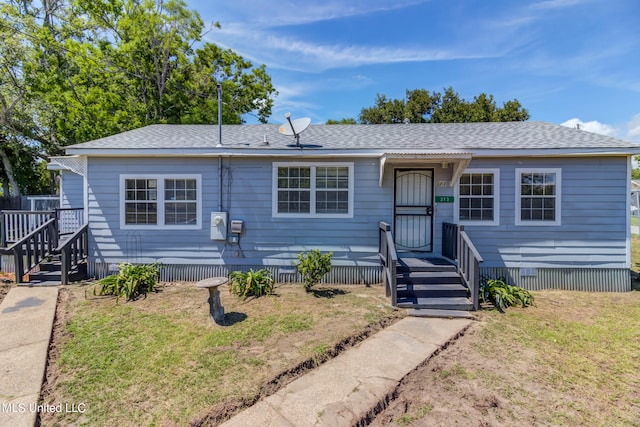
[71, 190]
[593, 231]
[247, 194]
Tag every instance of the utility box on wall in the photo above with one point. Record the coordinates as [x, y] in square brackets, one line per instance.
[218, 226]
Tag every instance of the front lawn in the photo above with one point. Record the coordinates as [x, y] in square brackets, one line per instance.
[161, 361]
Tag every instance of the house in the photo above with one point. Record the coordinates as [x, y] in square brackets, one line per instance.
[544, 205]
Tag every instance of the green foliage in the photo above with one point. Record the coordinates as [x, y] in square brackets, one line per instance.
[421, 106]
[343, 121]
[78, 70]
[132, 282]
[251, 283]
[313, 266]
[503, 295]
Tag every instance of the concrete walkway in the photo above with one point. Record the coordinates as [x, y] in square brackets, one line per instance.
[338, 393]
[26, 322]
[343, 390]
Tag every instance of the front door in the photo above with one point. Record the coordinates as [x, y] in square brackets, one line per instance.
[413, 226]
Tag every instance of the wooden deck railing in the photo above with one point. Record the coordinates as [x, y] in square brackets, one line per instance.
[34, 236]
[32, 249]
[69, 220]
[73, 251]
[456, 241]
[389, 259]
[14, 225]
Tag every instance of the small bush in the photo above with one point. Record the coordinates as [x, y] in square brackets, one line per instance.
[313, 266]
[251, 283]
[133, 281]
[503, 295]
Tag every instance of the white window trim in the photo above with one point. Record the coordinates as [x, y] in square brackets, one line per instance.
[496, 198]
[558, 196]
[313, 166]
[160, 202]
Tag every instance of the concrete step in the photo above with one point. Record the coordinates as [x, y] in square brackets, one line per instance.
[429, 277]
[40, 284]
[447, 314]
[456, 303]
[432, 290]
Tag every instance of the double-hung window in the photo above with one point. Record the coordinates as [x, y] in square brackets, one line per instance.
[313, 190]
[478, 197]
[538, 196]
[169, 201]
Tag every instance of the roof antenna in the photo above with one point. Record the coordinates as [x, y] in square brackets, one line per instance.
[295, 128]
[219, 87]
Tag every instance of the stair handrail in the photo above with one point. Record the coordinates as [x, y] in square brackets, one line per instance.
[33, 248]
[469, 260]
[73, 251]
[389, 259]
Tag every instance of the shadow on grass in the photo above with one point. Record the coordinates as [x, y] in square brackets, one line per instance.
[234, 317]
[327, 292]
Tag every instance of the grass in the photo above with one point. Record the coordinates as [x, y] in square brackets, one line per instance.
[161, 360]
[571, 360]
[414, 415]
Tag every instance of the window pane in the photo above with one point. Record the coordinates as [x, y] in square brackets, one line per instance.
[476, 197]
[138, 206]
[331, 187]
[180, 213]
[540, 200]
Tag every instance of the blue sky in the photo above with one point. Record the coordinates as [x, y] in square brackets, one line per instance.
[566, 61]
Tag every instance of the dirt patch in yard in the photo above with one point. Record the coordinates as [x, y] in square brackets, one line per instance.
[571, 360]
[4, 289]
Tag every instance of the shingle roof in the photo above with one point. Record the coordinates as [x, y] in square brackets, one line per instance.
[445, 136]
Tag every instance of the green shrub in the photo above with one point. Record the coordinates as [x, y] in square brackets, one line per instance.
[133, 281]
[313, 266]
[503, 295]
[251, 283]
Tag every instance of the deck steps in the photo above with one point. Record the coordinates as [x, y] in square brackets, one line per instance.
[430, 284]
[50, 274]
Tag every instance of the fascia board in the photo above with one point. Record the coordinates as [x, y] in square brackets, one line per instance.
[207, 152]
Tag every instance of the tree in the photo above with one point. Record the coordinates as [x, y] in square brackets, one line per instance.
[421, 106]
[84, 69]
[343, 121]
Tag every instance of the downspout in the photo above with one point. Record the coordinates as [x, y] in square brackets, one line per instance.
[219, 86]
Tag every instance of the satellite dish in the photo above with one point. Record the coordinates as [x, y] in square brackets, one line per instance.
[294, 127]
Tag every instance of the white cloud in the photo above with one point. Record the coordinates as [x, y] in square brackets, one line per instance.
[293, 54]
[592, 126]
[633, 128]
[555, 4]
[273, 13]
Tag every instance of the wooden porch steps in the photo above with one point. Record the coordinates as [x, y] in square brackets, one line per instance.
[50, 274]
[430, 284]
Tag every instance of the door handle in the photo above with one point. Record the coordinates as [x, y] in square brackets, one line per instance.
[430, 210]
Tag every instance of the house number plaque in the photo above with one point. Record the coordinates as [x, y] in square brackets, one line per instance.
[444, 199]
